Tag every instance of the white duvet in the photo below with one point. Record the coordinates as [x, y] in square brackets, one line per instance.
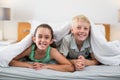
[107, 53]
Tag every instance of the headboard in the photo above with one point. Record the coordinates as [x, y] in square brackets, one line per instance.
[107, 31]
[23, 30]
[27, 26]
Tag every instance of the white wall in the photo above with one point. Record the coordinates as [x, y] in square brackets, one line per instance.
[115, 31]
[100, 11]
[10, 29]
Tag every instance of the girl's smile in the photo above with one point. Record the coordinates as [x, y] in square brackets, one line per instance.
[43, 38]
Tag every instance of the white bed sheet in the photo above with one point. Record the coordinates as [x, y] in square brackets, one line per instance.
[99, 72]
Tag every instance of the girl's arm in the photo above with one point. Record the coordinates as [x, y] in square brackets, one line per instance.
[16, 61]
[64, 64]
[20, 64]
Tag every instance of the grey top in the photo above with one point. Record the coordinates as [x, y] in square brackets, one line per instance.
[69, 47]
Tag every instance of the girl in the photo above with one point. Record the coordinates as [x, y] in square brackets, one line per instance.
[40, 52]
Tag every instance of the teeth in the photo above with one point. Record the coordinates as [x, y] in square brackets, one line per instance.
[43, 44]
[80, 34]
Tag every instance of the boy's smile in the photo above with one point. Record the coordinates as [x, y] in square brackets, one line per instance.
[80, 30]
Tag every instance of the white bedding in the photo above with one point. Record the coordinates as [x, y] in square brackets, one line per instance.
[9, 52]
[100, 72]
[107, 53]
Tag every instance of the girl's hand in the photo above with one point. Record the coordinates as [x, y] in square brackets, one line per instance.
[27, 65]
[38, 66]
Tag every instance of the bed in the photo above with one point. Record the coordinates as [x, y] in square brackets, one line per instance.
[100, 72]
[97, 72]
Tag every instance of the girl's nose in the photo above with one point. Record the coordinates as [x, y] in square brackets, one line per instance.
[42, 39]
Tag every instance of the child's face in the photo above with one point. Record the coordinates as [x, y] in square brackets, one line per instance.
[43, 38]
[80, 30]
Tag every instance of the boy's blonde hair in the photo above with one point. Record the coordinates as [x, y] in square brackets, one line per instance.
[80, 17]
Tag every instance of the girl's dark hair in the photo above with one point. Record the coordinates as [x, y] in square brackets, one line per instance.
[51, 30]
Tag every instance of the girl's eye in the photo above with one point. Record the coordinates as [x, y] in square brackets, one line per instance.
[46, 37]
[40, 36]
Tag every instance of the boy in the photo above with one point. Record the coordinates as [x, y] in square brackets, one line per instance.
[76, 46]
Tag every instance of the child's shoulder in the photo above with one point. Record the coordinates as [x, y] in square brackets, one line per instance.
[53, 50]
[68, 37]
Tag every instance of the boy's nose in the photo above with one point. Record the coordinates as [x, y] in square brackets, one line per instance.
[81, 30]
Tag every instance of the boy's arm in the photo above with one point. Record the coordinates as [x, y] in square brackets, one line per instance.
[93, 61]
[64, 47]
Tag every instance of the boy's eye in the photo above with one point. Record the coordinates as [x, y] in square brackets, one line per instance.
[85, 28]
[78, 27]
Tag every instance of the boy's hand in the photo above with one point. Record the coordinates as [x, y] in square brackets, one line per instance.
[80, 63]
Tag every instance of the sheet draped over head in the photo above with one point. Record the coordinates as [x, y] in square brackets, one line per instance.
[107, 53]
[9, 52]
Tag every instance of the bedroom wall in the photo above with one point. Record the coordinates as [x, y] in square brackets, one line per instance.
[100, 11]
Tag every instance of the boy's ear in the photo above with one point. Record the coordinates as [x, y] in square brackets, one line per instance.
[71, 29]
[34, 39]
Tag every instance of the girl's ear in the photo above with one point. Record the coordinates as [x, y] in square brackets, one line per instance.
[51, 41]
[34, 39]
